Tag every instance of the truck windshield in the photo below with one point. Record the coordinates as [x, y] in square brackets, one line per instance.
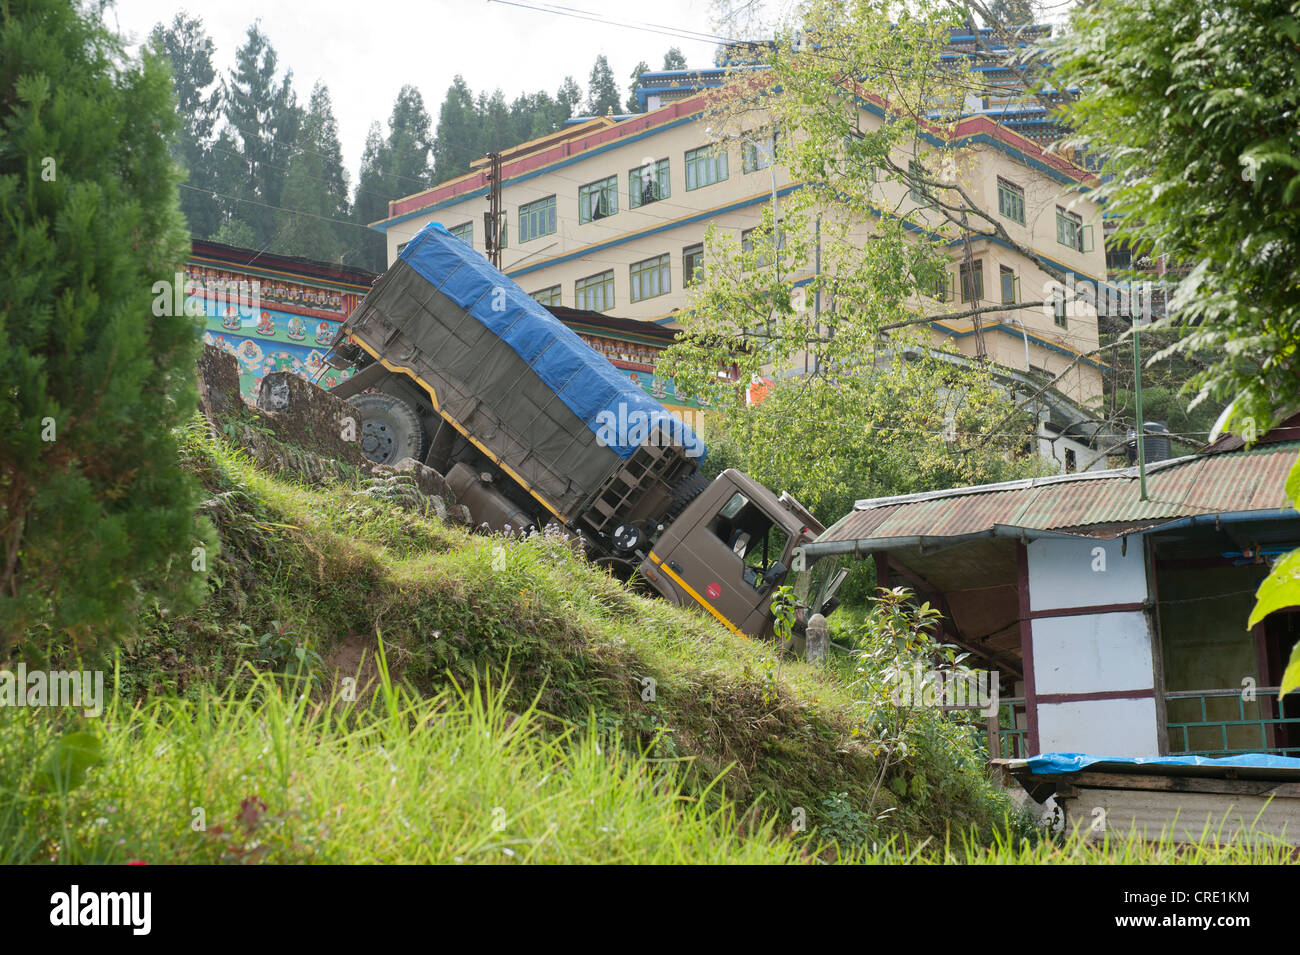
[757, 541]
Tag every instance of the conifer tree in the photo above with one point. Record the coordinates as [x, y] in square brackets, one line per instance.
[95, 515]
[602, 91]
[314, 204]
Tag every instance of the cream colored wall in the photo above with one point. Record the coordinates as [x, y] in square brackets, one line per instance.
[681, 220]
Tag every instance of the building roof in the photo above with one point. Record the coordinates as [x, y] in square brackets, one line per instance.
[593, 136]
[1101, 504]
[310, 270]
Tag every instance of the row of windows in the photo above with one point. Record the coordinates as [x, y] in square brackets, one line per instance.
[1069, 225]
[649, 183]
[971, 276]
[646, 279]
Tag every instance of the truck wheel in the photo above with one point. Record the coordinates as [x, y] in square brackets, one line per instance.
[685, 491]
[389, 429]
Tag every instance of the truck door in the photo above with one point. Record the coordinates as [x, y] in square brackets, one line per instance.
[721, 560]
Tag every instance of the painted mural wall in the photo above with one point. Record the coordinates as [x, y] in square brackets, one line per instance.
[269, 324]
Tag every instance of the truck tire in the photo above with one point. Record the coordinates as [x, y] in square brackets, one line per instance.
[685, 491]
[389, 429]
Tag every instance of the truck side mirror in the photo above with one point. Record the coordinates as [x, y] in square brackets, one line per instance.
[773, 574]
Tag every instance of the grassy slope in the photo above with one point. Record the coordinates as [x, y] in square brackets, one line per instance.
[567, 762]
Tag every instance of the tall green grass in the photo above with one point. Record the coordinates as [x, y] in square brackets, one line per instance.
[269, 775]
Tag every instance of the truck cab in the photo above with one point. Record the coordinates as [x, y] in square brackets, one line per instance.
[728, 551]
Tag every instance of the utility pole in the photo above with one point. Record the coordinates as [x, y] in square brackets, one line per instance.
[492, 218]
[1137, 400]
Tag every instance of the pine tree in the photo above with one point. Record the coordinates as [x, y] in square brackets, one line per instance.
[602, 91]
[392, 167]
[673, 59]
[456, 144]
[99, 368]
[371, 201]
[198, 98]
[535, 115]
[314, 203]
[264, 114]
[569, 97]
[633, 106]
[496, 127]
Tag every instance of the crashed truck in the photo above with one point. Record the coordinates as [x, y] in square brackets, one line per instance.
[457, 367]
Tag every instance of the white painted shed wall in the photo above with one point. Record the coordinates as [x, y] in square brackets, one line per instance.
[1099, 727]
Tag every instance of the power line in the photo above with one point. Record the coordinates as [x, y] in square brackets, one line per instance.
[679, 33]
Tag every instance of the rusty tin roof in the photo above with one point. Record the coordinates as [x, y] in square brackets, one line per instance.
[1101, 503]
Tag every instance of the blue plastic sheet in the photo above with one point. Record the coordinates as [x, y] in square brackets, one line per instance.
[1051, 764]
[581, 377]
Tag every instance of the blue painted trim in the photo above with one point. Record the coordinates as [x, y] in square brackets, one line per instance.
[382, 225]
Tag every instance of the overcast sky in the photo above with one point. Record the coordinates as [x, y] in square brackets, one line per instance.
[364, 51]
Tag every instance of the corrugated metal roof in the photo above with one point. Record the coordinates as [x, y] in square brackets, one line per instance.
[1199, 484]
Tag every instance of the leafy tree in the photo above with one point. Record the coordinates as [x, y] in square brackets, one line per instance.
[315, 199]
[370, 203]
[830, 305]
[673, 59]
[263, 113]
[93, 508]
[1192, 110]
[198, 99]
[633, 106]
[602, 91]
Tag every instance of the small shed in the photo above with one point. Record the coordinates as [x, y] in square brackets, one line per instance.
[1120, 622]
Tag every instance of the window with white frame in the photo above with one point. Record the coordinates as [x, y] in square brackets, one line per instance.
[758, 153]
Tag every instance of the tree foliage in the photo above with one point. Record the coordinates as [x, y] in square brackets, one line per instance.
[602, 89]
[189, 50]
[315, 199]
[674, 60]
[93, 509]
[1192, 108]
[262, 111]
[828, 303]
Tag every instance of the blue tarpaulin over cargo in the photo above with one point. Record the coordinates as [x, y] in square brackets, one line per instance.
[1053, 764]
[611, 406]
